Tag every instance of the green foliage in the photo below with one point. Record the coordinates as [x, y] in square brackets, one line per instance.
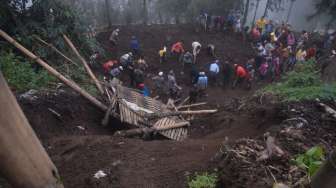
[204, 180]
[311, 161]
[303, 83]
[20, 75]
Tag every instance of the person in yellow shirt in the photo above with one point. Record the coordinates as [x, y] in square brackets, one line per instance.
[261, 24]
[301, 55]
[162, 54]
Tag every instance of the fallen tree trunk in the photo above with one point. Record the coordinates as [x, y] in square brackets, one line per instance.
[325, 177]
[328, 109]
[141, 131]
[54, 48]
[54, 72]
[192, 105]
[89, 71]
[23, 160]
[167, 114]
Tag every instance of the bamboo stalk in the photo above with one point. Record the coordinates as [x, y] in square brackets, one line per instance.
[189, 112]
[88, 70]
[54, 72]
[192, 105]
[54, 48]
[24, 162]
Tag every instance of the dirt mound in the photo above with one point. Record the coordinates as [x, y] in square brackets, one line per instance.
[293, 138]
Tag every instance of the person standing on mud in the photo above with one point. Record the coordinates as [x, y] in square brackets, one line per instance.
[127, 60]
[142, 63]
[163, 54]
[172, 85]
[202, 84]
[214, 71]
[114, 73]
[211, 50]
[177, 50]
[114, 36]
[227, 71]
[240, 74]
[159, 83]
[135, 46]
[196, 46]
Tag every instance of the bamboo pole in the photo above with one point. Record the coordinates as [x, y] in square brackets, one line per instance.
[192, 105]
[88, 70]
[141, 131]
[23, 160]
[54, 48]
[189, 112]
[54, 72]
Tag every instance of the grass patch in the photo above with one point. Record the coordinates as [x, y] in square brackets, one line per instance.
[20, 74]
[204, 180]
[303, 83]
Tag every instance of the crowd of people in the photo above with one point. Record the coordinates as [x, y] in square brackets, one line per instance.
[277, 50]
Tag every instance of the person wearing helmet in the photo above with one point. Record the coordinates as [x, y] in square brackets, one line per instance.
[240, 74]
[114, 36]
[135, 46]
[159, 82]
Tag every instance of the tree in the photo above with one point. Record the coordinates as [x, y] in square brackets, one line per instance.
[145, 12]
[108, 9]
[246, 10]
[255, 12]
[325, 7]
[290, 10]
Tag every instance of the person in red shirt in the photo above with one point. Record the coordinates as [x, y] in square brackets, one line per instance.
[240, 74]
[177, 50]
[109, 65]
[311, 53]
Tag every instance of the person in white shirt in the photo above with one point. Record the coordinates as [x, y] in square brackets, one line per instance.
[196, 46]
[213, 72]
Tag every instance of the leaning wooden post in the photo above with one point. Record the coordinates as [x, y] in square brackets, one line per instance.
[326, 175]
[89, 71]
[23, 160]
[54, 72]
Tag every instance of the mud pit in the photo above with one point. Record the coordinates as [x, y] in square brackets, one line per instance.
[79, 154]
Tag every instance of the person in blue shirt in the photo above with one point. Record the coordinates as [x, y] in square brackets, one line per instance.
[135, 46]
[214, 71]
[202, 83]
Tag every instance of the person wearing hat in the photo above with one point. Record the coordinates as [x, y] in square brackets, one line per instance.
[214, 71]
[162, 54]
[202, 83]
[114, 36]
[135, 46]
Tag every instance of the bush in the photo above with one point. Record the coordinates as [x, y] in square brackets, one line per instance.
[303, 83]
[204, 180]
[311, 160]
[20, 74]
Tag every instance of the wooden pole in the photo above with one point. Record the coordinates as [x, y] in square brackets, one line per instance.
[54, 72]
[141, 131]
[54, 48]
[88, 70]
[192, 105]
[162, 115]
[23, 160]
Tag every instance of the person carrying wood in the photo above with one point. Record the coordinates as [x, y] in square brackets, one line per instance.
[196, 46]
[177, 50]
[114, 36]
